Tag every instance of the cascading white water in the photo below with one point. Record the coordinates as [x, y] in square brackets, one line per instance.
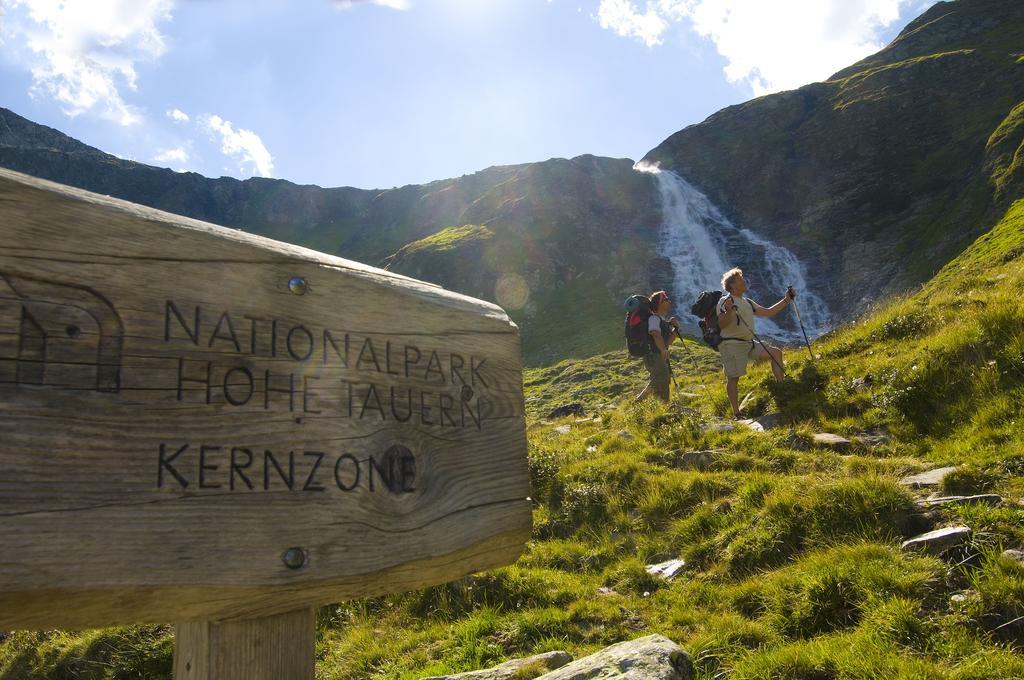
[701, 243]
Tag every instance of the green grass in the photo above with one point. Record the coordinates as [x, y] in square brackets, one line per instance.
[793, 567]
[450, 238]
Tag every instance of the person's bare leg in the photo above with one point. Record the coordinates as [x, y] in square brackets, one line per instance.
[777, 364]
[732, 389]
[775, 359]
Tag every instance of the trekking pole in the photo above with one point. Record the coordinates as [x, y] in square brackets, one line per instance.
[801, 321]
[693, 362]
[763, 346]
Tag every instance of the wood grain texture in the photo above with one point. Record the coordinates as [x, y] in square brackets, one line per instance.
[277, 647]
[174, 418]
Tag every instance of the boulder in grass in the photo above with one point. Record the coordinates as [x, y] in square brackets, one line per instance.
[989, 499]
[666, 570]
[1014, 554]
[929, 478]
[873, 439]
[831, 441]
[653, 657]
[573, 409]
[763, 423]
[938, 541]
[517, 669]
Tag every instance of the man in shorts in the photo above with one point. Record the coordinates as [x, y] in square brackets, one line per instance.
[736, 320]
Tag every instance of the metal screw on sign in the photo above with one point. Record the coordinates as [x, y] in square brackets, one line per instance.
[297, 285]
[294, 558]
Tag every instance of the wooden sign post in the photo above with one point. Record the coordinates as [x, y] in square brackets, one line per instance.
[203, 426]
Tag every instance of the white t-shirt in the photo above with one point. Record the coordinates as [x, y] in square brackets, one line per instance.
[742, 330]
[654, 324]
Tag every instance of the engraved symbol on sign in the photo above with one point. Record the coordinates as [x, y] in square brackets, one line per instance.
[67, 336]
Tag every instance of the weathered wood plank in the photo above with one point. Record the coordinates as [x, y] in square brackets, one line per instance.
[272, 648]
[174, 417]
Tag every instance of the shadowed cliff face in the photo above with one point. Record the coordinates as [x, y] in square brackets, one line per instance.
[578, 235]
[882, 174]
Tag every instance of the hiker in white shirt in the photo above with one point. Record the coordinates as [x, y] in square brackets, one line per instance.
[661, 331]
[736, 320]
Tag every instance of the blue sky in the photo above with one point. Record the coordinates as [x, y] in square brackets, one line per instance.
[381, 93]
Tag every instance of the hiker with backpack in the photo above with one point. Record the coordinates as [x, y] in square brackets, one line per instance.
[735, 315]
[649, 332]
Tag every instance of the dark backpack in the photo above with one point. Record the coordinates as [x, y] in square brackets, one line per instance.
[706, 309]
[638, 311]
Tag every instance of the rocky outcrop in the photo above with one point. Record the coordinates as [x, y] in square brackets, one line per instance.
[831, 441]
[516, 669]
[654, 657]
[938, 541]
[927, 478]
[666, 570]
[879, 175]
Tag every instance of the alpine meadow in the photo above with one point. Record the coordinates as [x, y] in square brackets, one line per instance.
[862, 517]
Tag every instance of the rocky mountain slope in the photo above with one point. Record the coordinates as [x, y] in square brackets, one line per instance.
[880, 175]
[875, 178]
[567, 233]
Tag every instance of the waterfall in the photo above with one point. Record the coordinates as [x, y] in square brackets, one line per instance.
[701, 243]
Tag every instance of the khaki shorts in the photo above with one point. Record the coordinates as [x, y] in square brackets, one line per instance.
[736, 354]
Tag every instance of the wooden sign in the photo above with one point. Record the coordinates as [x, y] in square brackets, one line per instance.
[198, 424]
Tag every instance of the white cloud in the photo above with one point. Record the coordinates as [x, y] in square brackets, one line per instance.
[623, 17]
[245, 146]
[178, 116]
[83, 53]
[770, 46]
[392, 4]
[176, 155]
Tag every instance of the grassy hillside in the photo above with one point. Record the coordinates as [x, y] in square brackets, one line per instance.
[793, 565]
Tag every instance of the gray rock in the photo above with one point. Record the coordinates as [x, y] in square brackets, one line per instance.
[938, 541]
[986, 498]
[832, 441]
[718, 427]
[860, 384]
[666, 570]
[764, 423]
[562, 429]
[873, 439]
[751, 424]
[929, 478]
[653, 657]
[517, 669]
[573, 409]
[627, 435]
[1014, 554]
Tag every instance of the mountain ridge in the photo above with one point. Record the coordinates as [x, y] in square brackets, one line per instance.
[874, 178]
